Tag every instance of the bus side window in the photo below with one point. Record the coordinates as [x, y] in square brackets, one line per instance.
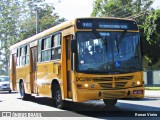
[46, 49]
[22, 56]
[56, 46]
[27, 54]
[39, 50]
[18, 56]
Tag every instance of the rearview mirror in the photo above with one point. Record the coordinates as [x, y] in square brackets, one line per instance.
[74, 46]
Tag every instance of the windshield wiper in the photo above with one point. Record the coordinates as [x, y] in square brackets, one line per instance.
[100, 37]
[97, 34]
[118, 41]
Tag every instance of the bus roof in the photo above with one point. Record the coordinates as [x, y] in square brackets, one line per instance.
[43, 34]
[57, 28]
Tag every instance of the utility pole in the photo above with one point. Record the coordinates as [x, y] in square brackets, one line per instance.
[37, 21]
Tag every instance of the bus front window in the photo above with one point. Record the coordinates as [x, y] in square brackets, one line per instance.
[113, 52]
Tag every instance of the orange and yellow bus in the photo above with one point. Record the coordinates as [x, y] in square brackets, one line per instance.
[80, 60]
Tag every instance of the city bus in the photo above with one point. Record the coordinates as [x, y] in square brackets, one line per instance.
[80, 60]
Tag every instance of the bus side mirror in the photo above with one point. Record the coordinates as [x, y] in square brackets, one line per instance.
[74, 46]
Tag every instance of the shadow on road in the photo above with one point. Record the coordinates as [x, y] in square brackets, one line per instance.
[73, 106]
[144, 99]
[97, 109]
[89, 106]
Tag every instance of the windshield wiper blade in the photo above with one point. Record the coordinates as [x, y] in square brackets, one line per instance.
[122, 35]
[97, 34]
[117, 44]
[118, 41]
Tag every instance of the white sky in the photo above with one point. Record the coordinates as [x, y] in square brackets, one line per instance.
[70, 9]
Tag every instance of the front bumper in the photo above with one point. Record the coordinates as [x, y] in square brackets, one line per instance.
[4, 88]
[85, 95]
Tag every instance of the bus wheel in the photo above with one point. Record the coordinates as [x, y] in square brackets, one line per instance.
[57, 96]
[110, 102]
[22, 91]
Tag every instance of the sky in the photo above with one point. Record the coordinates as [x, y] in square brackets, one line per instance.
[70, 9]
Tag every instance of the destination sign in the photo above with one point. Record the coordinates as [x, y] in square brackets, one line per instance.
[113, 26]
[106, 24]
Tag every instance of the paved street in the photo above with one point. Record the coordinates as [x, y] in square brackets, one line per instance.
[13, 102]
[152, 93]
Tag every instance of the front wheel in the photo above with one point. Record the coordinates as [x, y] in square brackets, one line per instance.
[110, 102]
[57, 97]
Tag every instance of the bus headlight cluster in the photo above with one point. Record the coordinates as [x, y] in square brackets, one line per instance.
[85, 85]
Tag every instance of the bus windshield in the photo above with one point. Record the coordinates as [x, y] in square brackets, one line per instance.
[111, 52]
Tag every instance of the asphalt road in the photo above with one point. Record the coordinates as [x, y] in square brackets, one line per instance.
[91, 109]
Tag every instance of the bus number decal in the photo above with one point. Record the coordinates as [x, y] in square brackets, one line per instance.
[83, 79]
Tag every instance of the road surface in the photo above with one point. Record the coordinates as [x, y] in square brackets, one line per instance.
[92, 109]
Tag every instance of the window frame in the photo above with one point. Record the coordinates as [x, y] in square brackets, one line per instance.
[56, 46]
[44, 49]
[24, 55]
[41, 47]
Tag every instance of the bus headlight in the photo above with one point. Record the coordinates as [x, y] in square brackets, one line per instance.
[138, 82]
[86, 85]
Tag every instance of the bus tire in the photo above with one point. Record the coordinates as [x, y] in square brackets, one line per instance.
[22, 91]
[110, 102]
[57, 97]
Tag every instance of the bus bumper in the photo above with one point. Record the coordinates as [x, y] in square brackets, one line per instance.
[85, 95]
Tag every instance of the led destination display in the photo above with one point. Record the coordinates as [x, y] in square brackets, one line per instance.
[106, 24]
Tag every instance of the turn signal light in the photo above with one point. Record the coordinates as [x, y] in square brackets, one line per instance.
[79, 85]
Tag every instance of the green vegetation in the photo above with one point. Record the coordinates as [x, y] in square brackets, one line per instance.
[18, 22]
[147, 19]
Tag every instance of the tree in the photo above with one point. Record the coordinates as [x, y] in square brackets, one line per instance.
[9, 14]
[46, 17]
[146, 17]
[111, 8]
[18, 22]
[151, 40]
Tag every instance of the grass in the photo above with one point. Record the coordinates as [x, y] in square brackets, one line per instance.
[152, 88]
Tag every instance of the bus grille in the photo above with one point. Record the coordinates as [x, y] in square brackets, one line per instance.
[123, 78]
[118, 94]
[117, 78]
[102, 79]
[110, 85]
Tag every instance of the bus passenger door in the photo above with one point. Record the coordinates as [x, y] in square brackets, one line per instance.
[68, 65]
[33, 64]
[14, 63]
